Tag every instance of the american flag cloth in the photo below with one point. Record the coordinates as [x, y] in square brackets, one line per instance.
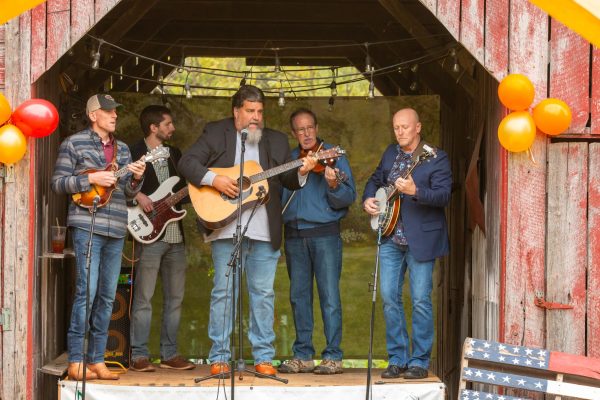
[529, 358]
[476, 395]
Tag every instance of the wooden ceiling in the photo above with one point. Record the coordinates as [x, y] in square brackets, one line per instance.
[307, 32]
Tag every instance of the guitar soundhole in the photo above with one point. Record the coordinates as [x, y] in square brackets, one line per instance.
[247, 190]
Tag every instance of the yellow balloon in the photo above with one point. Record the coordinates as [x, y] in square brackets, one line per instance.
[12, 8]
[516, 131]
[552, 116]
[13, 144]
[516, 92]
[4, 109]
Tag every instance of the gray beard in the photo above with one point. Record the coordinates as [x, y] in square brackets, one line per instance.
[254, 136]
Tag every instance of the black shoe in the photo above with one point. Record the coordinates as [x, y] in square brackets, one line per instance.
[392, 371]
[415, 373]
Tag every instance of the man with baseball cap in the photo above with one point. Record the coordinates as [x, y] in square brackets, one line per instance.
[93, 149]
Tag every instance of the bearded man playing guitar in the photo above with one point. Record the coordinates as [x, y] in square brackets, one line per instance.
[419, 237]
[218, 148]
[92, 149]
[165, 255]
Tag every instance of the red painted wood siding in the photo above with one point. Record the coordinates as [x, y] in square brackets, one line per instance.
[595, 106]
[593, 230]
[526, 211]
[570, 73]
[448, 12]
[472, 27]
[38, 41]
[496, 38]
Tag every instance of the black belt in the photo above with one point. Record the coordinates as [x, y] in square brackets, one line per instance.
[323, 230]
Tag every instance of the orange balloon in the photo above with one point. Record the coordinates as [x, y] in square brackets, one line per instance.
[516, 92]
[4, 109]
[552, 116]
[13, 144]
[516, 131]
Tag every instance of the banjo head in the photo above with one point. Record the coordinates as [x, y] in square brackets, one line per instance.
[381, 196]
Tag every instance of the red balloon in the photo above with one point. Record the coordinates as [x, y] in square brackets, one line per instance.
[36, 118]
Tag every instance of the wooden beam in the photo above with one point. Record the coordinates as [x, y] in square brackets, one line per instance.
[129, 13]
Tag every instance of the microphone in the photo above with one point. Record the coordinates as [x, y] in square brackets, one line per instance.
[96, 199]
[244, 133]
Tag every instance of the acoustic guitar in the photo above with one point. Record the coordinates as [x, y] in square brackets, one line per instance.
[216, 210]
[147, 227]
[86, 199]
[388, 198]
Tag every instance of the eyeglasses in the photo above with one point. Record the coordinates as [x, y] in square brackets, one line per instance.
[307, 129]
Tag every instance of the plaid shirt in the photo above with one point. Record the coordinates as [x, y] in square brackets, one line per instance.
[83, 151]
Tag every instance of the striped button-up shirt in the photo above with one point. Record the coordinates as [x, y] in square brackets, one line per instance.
[83, 151]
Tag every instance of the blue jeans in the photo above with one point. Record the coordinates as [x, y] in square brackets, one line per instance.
[321, 258]
[394, 263]
[105, 267]
[260, 263]
[169, 259]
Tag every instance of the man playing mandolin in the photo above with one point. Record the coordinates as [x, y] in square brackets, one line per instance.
[219, 147]
[417, 239]
[313, 249]
[81, 166]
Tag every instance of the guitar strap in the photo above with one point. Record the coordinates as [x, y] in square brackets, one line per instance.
[114, 157]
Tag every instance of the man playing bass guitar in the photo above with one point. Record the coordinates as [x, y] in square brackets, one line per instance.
[94, 148]
[419, 237]
[165, 255]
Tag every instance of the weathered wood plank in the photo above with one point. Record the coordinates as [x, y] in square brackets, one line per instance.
[566, 253]
[472, 27]
[431, 5]
[570, 73]
[448, 12]
[593, 253]
[496, 38]
[38, 41]
[526, 211]
[595, 105]
[58, 30]
[102, 7]
[82, 18]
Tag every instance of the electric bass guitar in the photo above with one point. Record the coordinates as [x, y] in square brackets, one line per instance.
[147, 227]
[86, 199]
[388, 198]
[216, 210]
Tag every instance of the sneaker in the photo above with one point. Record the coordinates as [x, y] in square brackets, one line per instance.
[295, 365]
[392, 371]
[219, 368]
[265, 368]
[329, 367]
[415, 373]
[142, 365]
[177, 362]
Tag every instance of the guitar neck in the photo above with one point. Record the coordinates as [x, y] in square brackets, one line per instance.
[261, 176]
[177, 197]
[120, 172]
[395, 193]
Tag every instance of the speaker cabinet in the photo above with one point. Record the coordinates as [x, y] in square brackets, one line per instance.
[118, 346]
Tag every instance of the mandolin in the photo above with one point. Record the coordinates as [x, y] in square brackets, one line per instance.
[388, 198]
[86, 199]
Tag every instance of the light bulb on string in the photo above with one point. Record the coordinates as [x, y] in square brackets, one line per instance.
[277, 63]
[455, 65]
[160, 74]
[96, 59]
[331, 103]
[121, 73]
[414, 86]
[333, 87]
[371, 94]
[281, 100]
[188, 91]
[367, 59]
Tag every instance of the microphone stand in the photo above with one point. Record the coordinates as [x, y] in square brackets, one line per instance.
[236, 265]
[373, 288]
[88, 261]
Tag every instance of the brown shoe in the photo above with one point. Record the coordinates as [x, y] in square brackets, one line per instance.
[265, 368]
[103, 372]
[177, 362]
[142, 365]
[220, 368]
[75, 372]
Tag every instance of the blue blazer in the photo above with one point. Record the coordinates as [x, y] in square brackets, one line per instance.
[423, 215]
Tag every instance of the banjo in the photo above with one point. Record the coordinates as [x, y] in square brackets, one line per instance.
[388, 197]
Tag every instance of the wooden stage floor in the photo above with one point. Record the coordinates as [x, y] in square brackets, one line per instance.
[180, 385]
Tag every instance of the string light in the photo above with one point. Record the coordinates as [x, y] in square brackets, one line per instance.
[367, 59]
[277, 63]
[331, 103]
[281, 100]
[455, 65]
[414, 85]
[96, 56]
[188, 91]
[121, 73]
[371, 94]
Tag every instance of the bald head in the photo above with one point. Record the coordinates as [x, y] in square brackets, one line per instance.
[407, 129]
